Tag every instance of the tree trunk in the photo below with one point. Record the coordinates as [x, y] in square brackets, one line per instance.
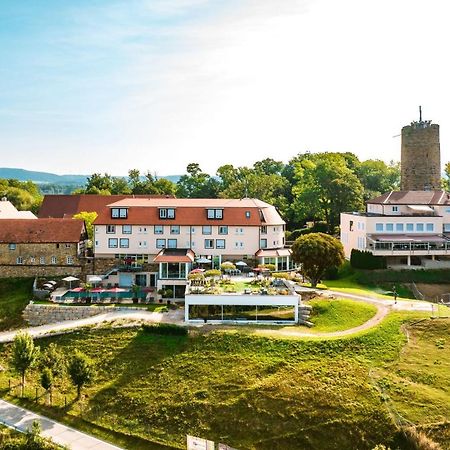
[78, 392]
[23, 382]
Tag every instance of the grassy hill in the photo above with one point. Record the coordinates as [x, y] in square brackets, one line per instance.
[255, 392]
[15, 293]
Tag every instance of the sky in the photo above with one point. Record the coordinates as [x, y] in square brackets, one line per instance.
[106, 86]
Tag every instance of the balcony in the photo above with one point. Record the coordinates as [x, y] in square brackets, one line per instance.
[388, 245]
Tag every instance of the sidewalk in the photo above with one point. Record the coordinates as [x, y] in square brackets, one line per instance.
[22, 419]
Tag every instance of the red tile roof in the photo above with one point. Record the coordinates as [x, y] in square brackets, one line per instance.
[169, 255]
[412, 198]
[193, 212]
[68, 205]
[39, 231]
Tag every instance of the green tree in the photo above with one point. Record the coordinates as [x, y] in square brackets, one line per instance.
[81, 370]
[99, 184]
[53, 359]
[378, 177]
[317, 252]
[24, 354]
[89, 219]
[324, 188]
[197, 184]
[446, 180]
[47, 379]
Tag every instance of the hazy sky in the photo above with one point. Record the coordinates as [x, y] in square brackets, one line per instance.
[107, 85]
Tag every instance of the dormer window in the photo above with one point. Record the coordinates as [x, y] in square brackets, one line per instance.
[212, 214]
[119, 213]
[167, 213]
[247, 214]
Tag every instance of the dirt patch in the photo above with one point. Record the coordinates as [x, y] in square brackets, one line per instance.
[431, 291]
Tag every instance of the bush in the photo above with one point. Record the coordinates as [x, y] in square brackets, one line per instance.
[365, 260]
[212, 273]
[283, 275]
[318, 227]
[165, 329]
[271, 267]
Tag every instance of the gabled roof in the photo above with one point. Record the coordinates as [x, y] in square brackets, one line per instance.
[175, 255]
[192, 211]
[412, 198]
[68, 205]
[39, 231]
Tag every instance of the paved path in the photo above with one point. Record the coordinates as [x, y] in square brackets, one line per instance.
[22, 419]
[50, 329]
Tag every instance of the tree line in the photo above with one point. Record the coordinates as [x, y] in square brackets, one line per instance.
[309, 187]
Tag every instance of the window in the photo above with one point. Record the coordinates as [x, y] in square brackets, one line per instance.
[69, 259]
[12, 246]
[263, 243]
[398, 227]
[160, 243]
[379, 227]
[447, 227]
[239, 231]
[42, 260]
[209, 243]
[113, 243]
[430, 226]
[110, 229]
[419, 226]
[167, 213]
[351, 225]
[143, 230]
[171, 243]
[158, 229]
[119, 213]
[97, 243]
[264, 229]
[53, 260]
[214, 214]
[126, 229]
[409, 227]
[19, 260]
[395, 209]
[223, 229]
[247, 214]
[389, 227]
[124, 243]
[143, 244]
[207, 229]
[68, 245]
[32, 259]
[175, 229]
[220, 243]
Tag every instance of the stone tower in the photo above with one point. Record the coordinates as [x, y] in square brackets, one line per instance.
[421, 156]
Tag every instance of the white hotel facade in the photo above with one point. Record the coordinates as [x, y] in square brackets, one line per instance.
[176, 233]
[407, 227]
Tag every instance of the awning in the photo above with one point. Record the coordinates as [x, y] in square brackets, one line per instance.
[421, 208]
[175, 255]
[408, 238]
[273, 253]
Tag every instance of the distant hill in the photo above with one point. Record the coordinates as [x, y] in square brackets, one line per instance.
[52, 178]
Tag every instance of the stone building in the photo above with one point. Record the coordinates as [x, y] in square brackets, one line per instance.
[44, 247]
[420, 157]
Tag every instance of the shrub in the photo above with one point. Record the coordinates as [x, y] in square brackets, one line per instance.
[365, 260]
[227, 266]
[212, 273]
[165, 329]
[271, 267]
[283, 275]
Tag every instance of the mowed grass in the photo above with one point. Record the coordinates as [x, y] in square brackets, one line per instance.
[339, 314]
[15, 293]
[247, 391]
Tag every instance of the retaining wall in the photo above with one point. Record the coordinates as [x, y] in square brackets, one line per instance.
[37, 314]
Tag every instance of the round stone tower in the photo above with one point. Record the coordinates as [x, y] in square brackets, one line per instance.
[421, 157]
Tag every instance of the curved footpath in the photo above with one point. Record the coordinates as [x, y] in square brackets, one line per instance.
[384, 306]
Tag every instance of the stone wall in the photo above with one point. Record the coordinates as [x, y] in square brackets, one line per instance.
[420, 157]
[39, 271]
[37, 314]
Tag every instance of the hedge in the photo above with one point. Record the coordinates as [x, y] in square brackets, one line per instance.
[365, 260]
[165, 329]
[438, 276]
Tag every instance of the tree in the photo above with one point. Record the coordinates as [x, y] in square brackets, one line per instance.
[324, 188]
[81, 370]
[377, 177]
[25, 354]
[317, 252]
[446, 180]
[54, 359]
[47, 380]
[197, 184]
[99, 184]
[89, 218]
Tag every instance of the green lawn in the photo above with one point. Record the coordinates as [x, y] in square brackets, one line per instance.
[249, 391]
[15, 293]
[339, 314]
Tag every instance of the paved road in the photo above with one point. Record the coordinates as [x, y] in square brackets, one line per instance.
[61, 434]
